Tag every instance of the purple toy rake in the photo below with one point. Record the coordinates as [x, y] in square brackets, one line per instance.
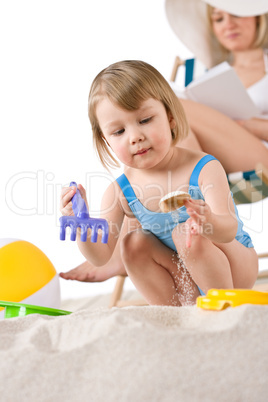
[82, 220]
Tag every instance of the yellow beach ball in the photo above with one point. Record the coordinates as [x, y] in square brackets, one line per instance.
[27, 275]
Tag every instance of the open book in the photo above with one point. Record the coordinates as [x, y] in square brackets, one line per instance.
[221, 89]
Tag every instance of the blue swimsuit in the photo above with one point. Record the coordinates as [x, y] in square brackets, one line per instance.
[162, 224]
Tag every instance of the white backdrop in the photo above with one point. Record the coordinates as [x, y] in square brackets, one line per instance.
[50, 52]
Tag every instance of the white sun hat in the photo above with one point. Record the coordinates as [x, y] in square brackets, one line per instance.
[188, 19]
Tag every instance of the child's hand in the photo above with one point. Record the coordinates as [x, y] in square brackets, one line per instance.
[67, 194]
[199, 213]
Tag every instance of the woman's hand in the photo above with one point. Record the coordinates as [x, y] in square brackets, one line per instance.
[67, 194]
[200, 214]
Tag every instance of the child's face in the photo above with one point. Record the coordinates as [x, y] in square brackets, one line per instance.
[234, 33]
[141, 138]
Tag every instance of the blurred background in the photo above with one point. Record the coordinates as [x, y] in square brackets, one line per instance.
[50, 53]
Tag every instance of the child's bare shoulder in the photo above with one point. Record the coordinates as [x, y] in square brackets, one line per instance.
[188, 157]
[194, 155]
[112, 196]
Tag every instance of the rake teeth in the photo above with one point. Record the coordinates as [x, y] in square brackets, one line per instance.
[105, 231]
[62, 227]
[83, 236]
[99, 224]
[62, 233]
[93, 223]
[94, 233]
[73, 232]
[66, 221]
[104, 238]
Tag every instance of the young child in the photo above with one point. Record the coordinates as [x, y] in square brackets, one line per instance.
[170, 257]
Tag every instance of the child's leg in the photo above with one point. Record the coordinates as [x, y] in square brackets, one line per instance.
[220, 266]
[243, 262]
[155, 271]
[207, 264]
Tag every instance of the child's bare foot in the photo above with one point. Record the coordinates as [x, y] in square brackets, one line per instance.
[86, 272]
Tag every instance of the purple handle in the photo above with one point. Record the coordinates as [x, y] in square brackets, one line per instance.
[83, 221]
[78, 204]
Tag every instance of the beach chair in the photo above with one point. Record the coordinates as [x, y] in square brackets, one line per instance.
[117, 301]
[247, 187]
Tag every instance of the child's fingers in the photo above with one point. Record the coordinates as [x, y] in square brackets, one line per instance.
[199, 219]
[81, 189]
[199, 206]
[83, 193]
[68, 190]
[188, 238]
[67, 194]
[192, 229]
[67, 210]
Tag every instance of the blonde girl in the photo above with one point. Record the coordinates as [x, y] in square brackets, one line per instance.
[170, 257]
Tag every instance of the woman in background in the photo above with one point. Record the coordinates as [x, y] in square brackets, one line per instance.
[237, 32]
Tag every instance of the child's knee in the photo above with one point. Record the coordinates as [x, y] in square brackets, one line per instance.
[133, 246]
[198, 245]
[179, 236]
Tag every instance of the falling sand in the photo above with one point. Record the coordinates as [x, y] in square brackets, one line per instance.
[185, 286]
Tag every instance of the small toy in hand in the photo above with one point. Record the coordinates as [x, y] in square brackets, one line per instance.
[82, 220]
[173, 201]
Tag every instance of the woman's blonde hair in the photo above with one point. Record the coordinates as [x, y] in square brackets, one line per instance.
[261, 35]
[127, 84]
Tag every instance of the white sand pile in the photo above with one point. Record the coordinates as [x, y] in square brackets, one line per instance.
[136, 354]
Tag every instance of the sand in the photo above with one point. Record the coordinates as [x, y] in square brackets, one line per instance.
[136, 354]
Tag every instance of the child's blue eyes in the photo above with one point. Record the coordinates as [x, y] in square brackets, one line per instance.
[144, 121]
[119, 132]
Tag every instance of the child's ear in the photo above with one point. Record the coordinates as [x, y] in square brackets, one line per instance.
[171, 120]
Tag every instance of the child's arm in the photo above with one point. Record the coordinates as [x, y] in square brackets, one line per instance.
[215, 218]
[98, 253]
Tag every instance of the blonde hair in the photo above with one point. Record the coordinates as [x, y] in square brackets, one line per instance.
[261, 39]
[262, 31]
[129, 83]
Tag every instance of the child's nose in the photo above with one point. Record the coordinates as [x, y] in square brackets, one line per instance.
[136, 136]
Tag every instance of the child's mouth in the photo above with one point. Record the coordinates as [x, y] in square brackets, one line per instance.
[143, 151]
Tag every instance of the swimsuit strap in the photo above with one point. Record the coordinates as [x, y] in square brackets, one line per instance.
[198, 167]
[131, 196]
[126, 188]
